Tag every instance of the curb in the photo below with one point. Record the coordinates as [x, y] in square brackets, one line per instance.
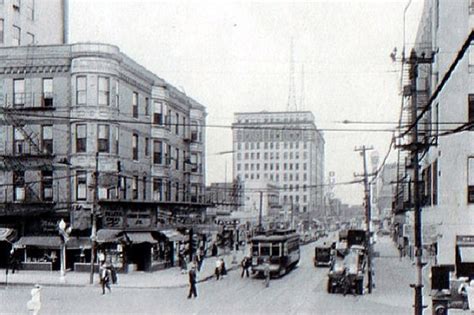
[27, 284]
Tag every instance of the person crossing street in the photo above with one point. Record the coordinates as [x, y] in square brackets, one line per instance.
[192, 282]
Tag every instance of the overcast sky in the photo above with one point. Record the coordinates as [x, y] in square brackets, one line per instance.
[234, 56]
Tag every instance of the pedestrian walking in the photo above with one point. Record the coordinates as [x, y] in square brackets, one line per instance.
[214, 250]
[34, 305]
[199, 258]
[266, 272]
[218, 269]
[192, 282]
[223, 268]
[104, 273]
[245, 266]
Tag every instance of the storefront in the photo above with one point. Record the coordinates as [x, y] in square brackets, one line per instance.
[43, 252]
[465, 256]
[7, 236]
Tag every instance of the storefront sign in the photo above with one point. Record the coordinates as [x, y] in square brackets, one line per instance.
[113, 218]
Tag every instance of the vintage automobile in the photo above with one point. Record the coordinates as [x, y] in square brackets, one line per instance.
[322, 255]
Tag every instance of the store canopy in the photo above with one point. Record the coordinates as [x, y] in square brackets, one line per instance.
[141, 237]
[173, 235]
[467, 254]
[79, 243]
[7, 235]
[53, 242]
[109, 236]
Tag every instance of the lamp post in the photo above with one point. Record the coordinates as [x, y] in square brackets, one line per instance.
[64, 232]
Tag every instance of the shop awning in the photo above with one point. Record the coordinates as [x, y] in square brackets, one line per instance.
[141, 237]
[109, 236]
[173, 235]
[7, 235]
[467, 254]
[39, 241]
[78, 243]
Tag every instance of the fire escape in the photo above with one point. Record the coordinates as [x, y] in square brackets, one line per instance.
[26, 159]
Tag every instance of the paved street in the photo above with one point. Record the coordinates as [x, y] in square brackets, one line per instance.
[302, 291]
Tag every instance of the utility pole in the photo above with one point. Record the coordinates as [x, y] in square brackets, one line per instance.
[363, 151]
[93, 219]
[414, 61]
[260, 212]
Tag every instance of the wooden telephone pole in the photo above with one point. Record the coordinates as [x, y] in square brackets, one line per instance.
[363, 151]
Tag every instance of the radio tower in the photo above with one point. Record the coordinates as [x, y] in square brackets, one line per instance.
[291, 106]
[301, 107]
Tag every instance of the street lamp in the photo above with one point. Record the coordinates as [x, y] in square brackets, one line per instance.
[64, 231]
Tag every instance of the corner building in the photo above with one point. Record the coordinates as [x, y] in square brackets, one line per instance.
[89, 133]
[285, 148]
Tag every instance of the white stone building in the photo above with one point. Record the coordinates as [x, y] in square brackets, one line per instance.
[285, 148]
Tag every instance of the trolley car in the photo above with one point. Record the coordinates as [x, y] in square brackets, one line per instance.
[279, 248]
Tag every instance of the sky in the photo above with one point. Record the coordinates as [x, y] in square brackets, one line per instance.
[234, 56]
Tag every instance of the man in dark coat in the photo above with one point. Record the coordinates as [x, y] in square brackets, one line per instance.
[192, 282]
[245, 266]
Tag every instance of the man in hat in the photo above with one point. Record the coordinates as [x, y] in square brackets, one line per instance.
[192, 282]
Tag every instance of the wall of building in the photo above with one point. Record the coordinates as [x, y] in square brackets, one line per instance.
[449, 214]
[44, 20]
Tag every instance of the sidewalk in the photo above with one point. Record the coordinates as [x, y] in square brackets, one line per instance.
[167, 278]
[394, 275]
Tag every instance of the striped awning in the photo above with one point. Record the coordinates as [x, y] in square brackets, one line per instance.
[53, 242]
[109, 236]
[141, 237]
[7, 235]
[172, 235]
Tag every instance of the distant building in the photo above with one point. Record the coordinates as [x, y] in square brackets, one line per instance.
[285, 148]
[33, 22]
[384, 187]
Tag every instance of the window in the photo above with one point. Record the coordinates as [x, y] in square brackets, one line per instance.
[47, 92]
[103, 138]
[158, 114]
[30, 9]
[117, 137]
[16, 5]
[135, 147]
[19, 92]
[81, 90]
[117, 93]
[435, 182]
[47, 185]
[16, 36]
[144, 187]
[470, 117]
[81, 185]
[176, 127]
[19, 186]
[30, 38]
[19, 141]
[2, 30]
[157, 152]
[135, 104]
[104, 91]
[147, 146]
[81, 138]
[47, 139]
[177, 159]
[470, 180]
[176, 196]
[135, 187]
[158, 189]
[147, 106]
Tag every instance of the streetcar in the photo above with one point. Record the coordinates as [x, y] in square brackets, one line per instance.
[279, 248]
